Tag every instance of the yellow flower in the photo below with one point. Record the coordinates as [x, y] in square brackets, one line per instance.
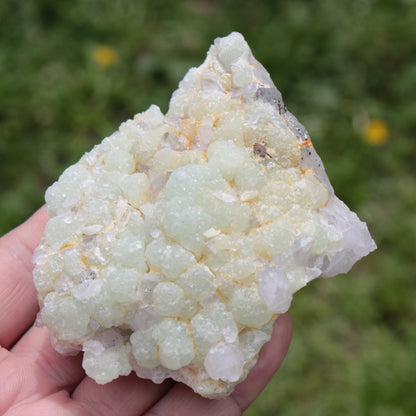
[105, 56]
[376, 132]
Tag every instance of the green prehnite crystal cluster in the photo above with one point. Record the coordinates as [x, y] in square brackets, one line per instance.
[175, 243]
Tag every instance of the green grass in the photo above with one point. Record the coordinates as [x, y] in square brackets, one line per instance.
[337, 64]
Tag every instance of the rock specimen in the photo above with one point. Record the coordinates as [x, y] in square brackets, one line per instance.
[175, 243]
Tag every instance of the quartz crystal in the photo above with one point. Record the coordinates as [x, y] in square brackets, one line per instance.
[175, 243]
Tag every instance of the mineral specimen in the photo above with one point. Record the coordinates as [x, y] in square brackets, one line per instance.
[175, 243]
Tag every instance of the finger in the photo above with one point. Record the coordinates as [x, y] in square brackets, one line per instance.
[8, 388]
[39, 369]
[18, 301]
[181, 400]
[124, 396]
[270, 359]
[59, 403]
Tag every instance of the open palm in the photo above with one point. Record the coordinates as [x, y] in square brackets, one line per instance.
[36, 380]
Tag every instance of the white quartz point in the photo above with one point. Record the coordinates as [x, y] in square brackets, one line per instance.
[224, 362]
[175, 243]
[274, 287]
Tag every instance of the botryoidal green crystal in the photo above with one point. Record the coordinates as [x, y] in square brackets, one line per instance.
[175, 243]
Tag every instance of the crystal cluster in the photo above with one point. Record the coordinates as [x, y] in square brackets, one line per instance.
[175, 243]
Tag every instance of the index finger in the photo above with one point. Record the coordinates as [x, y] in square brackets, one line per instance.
[18, 299]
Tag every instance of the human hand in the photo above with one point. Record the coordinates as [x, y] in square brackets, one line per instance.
[36, 380]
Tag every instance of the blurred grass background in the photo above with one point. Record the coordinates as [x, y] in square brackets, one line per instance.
[70, 72]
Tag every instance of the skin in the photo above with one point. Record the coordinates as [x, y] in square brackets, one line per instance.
[36, 380]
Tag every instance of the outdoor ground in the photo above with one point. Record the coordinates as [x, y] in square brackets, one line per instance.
[70, 72]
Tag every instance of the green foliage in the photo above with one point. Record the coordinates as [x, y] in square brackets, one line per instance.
[338, 65]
